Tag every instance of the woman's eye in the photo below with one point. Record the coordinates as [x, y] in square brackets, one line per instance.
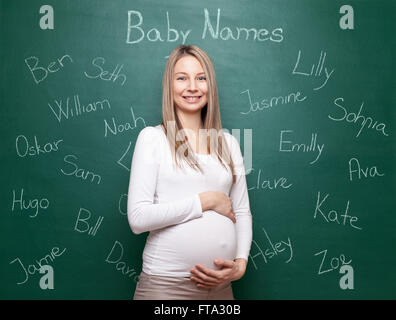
[201, 78]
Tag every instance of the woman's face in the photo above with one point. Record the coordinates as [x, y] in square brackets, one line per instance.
[189, 85]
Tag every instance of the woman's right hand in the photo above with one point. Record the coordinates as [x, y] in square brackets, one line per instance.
[219, 202]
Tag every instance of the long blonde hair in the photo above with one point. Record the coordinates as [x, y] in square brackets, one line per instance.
[210, 113]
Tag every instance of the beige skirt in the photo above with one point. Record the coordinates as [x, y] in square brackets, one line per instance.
[151, 287]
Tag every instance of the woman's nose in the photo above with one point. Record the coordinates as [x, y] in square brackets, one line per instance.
[192, 86]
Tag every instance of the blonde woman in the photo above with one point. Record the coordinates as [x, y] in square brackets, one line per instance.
[188, 189]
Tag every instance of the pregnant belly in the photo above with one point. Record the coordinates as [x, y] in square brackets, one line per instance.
[202, 240]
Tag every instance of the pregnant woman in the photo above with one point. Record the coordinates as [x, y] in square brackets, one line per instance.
[188, 189]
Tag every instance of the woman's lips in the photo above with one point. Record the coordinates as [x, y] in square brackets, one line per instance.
[192, 99]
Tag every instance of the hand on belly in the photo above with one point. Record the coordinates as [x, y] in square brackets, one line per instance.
[209, 278]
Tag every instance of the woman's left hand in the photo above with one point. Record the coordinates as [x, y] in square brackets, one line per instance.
[210, 278]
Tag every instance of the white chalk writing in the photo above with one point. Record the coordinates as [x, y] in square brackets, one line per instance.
[276, 35]
[318, 70]
[23, 147]
[270, 184]
[116, 128]
[136, 32]
[354, 167]
[115, 257]
[63, 110]
[334, 262]
[82, 225]
[272, 251]
[36, 266]
[79, 173]
[351, 117]
[32, 204]
[40, 73]
[267, 103]
[98, 62]
[332, 215]
[313, 146]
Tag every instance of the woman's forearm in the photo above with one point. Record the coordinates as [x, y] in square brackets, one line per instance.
[147, 216]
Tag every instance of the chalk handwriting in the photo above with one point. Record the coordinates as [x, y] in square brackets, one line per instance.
[325, 267]
[272, 251]
[66, 109]
[126, 165]
[40, 73]
[267, 103]
[359, 119]
[312, 146]
[115, 257]
[136, 32]
[82, 225]
[98, 62]
[122, 204]
[332, 215]
[77, 172]
[315, 72]
[270, 184]
[23, 147]
[354, 168]
[34, 204]
[36, 266]
[226, 33]
[122, 127]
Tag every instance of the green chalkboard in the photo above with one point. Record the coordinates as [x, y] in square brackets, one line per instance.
[313, 80]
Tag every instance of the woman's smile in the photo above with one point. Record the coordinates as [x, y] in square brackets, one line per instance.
[192, 99]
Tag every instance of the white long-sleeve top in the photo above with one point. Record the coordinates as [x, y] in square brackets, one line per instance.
[164, 199]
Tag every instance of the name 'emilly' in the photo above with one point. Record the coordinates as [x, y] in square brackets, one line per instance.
[313, 146]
